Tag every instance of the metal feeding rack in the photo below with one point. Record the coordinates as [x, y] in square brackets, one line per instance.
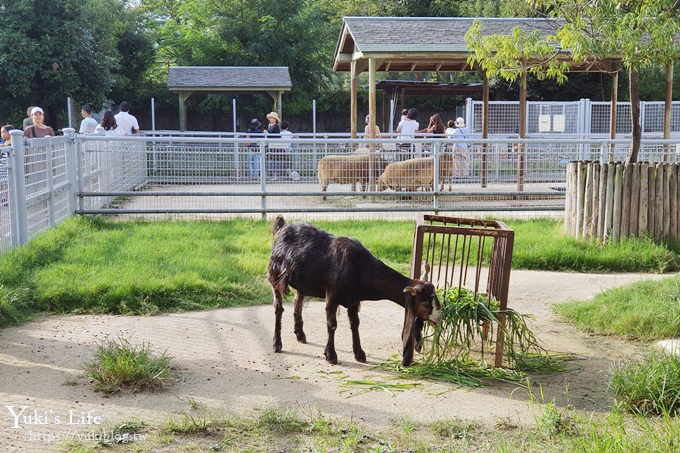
[457, 250]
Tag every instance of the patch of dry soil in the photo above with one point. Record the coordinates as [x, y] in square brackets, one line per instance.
[225, 360]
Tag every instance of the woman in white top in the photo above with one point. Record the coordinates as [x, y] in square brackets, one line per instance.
[108, 126]
[461, 153]
[407, 129]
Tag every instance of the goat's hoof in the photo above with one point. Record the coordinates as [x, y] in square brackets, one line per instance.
[419, 347]
[360, 356]
[301, 337]
[277, 345]
[331, 357]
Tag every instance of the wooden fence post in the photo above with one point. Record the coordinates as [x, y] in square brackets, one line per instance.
[644, 198]
[595, 220]
[609, 206]
[658, 202]
[634, 201]
[587, 200]
[602, 204]
[625, 200]
[618, 195]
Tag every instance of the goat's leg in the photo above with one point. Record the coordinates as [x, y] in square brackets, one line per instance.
[332, 324]
[297, 315]
[278, 311]
[353, 313]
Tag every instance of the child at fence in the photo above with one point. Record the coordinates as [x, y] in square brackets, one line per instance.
[274, 153]
[288, 158]
[254, 131]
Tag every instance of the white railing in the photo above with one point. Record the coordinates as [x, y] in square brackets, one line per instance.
[53, 178]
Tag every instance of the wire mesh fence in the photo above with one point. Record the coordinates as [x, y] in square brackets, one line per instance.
[220, 177]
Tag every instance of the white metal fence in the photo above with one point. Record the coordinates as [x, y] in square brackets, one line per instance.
[584, 118]
[216, 177]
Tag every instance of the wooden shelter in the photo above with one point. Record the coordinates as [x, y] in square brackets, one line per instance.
[186, 80]
[437, 44]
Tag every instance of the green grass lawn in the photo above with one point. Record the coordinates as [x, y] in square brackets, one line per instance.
[93, 265]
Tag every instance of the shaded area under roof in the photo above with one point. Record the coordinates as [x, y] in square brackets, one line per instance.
[419, 87]
[228, 78]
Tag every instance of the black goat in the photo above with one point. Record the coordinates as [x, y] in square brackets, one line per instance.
[344, 272]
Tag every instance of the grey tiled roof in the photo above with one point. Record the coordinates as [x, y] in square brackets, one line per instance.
[226, 77]
[430, 34]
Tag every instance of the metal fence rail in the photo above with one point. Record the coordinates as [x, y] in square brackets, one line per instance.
[211, 176]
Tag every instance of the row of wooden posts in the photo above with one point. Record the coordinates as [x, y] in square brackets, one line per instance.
[609, 201]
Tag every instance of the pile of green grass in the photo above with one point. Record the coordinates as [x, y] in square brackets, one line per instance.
[90, 264]
[119, 366]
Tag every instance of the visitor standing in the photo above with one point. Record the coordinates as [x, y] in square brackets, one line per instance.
[274, 152]
[109, 126]
[435, 126]
[39, 129]
[288, 152]
[88, 124]
[28, 121]
[128, 123]
[407, 129]
[254, 131]
[461, 152]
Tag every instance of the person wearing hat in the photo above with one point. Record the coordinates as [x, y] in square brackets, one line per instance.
[254, 130]
[39, 129]
[274, 153]
[461, 152]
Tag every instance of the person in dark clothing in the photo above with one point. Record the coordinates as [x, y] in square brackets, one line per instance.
[275, 154]
[254, 131]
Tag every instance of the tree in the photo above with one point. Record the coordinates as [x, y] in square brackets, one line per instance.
[639, 33]
[53, 49]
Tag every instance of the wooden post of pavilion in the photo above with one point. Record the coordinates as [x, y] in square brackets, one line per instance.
[353, 98]
[485, 126]
[522, 129]
[612, 113]
[667, 107]
[182, 97]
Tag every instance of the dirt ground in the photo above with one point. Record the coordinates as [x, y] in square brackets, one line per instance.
[224, 359]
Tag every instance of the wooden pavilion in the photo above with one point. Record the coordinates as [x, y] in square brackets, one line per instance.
[186, 80]
[437, 44]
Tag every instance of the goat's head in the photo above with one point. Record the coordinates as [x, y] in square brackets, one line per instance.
[421, 303]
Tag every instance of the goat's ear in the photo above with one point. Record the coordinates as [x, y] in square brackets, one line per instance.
[410, 290]
[408, 333]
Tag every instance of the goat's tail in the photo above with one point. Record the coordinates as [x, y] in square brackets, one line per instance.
[277, 224]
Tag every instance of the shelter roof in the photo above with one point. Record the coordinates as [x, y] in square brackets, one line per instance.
[407, 44]
[228, 78]
[429, 88]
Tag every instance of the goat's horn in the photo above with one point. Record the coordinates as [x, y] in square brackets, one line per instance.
[411, 290]
[427, 271]
[418, 289]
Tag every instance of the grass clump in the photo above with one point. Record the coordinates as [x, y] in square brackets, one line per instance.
[646, 310]
[650, 385]
[119, 366]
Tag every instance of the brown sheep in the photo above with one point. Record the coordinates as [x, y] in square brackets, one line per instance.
[360, 167]
[412, 174]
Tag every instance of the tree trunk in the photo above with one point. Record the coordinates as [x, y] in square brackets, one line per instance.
[633, 78]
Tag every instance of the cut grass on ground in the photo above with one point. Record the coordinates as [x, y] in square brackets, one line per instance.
[90, 264]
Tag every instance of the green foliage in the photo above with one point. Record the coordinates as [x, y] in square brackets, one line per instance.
[650, 385]
[119, 366]
[53, 49]
[646, 310]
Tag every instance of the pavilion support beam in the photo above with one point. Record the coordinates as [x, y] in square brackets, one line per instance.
[522, 130]
[667, 106]
[371, 96]
[353, 98]
[612, 113]
[182, 98]
[279, 105]
[485, 126]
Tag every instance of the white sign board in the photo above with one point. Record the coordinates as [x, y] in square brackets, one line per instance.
[559, 123]
[543, 123]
